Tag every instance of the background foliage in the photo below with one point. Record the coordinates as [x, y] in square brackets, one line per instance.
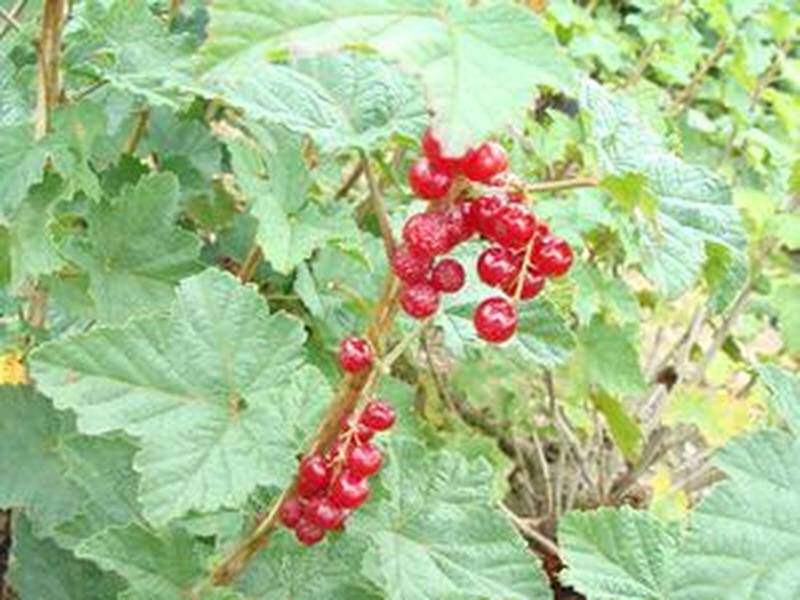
[153, 405]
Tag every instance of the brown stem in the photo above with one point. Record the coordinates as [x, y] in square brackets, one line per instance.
[138, 131]
[250, 264]
[562, 184]
[49, 56]
[687, 94]
[378, 206]
[351, 180]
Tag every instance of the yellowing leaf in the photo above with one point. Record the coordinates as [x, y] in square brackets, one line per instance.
[718, 415]
[666, 503]
[12, 369]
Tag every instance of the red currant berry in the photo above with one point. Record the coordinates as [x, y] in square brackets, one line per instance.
[448, 276]
[457, 228]
[290, 513]
[419, 300]
[365, 460]
[426, 234]
[323, 513]
[355, 354]
[313, 476]
[484, 162]
[552, 256]
[362, 433]
[468, 225]
[349, 490]
[495, 319]
[427, 181]
[432, 149]
[308, 534]
[378, 415]
[485, 213]
[409, 266]
[497, 266]
[531, 286]
[514, 227]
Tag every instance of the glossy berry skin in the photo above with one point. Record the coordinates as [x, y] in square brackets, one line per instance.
[532, 285]
[552, 256]
[355, 354]
[428, 182]
[485, 213]
[514, 226]
[323, 513]
[420, 300]
[378, 415]
[448, 276]
[484, 162]
[409, 266]
[432, 149]
[467, 223]
[426, 234]
[349, 490]
[365, 460]
[290, 513]
[495, 319]
[497, 266]
[308, 534]
[313, 476]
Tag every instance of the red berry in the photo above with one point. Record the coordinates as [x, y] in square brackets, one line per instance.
[378, 415]
[355, 354]
[455, 221]
[467, 222]
[484, 162]
[349, 490]
[363, 433]
[323, 513]
[497, 266]
[290, 513]
[365, 460]
[514, 226]
[485, 213]
[419, 300]
[495, 319]
[308, 534]
[427, 181]
[448, 276]
[552, 256]
[426, 234]
[531, 286]
[409, 266]
[432, 149]
[313, 476]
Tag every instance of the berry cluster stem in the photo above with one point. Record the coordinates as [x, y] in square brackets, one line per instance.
[562, 184]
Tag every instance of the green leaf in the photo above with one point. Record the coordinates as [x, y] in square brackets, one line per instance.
[133, 253]
[598, 292]
[725, 274]
[609, 357]
[785, 388]
[744, 539]
[694, 205]
[21, 165]
[631, 190]
[454, 48]
[543, 335]
[212, 389]
[342, 100]
[785, 298]
[40, 569]
[436, 535]
[624, 429]
[617, 553]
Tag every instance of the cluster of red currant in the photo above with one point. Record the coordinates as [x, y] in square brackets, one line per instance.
[523, 251]
[331, 486]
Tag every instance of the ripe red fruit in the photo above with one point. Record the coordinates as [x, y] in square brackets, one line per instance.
[457, 225]
[355, 354]
[497, 266]
[552, 256]
[365, 460]
[426, 234]
[378, 415]
[409, 266]
[531, 286]
[484, 162]
[419, 300]
[349, 490]
[362, 433]
[323, 513]
[514, 226]
[427, 181]
[313, 476]
[495, 319]
[467, 221]
[308, 534]
[485, 213]
[432, 149]
[290, 513]
[448, 276]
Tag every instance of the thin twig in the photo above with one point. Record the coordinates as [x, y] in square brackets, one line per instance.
[250, 264]
[351, 180]
[10, 19]
[686, 96]
[48, 54]
[561, 184]
[642, 64]
[537, 443]
[530, 531]
[138, 131]
[378, 206]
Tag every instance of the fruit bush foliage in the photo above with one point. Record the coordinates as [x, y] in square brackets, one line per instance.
[206, 213]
